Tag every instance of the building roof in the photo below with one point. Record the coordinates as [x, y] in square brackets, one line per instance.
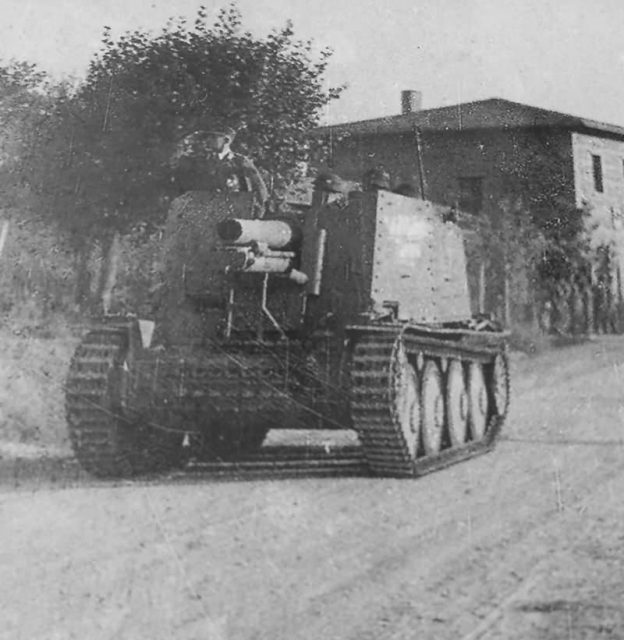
[494, 113]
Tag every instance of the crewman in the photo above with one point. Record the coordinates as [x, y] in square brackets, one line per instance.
[376, 180]
[330, 188]
[204, 161]
[331, 183]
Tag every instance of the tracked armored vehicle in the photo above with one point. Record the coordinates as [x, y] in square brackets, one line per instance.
[346, 316]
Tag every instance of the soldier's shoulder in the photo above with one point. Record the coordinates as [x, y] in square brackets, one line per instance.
[243, 161]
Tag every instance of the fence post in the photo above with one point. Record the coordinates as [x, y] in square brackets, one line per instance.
[4, 231]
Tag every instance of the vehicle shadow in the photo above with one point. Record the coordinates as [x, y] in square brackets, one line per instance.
[269, 464]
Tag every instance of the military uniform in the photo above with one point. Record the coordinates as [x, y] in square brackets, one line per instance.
[199, 169]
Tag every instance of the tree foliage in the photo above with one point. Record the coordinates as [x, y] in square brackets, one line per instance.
[144, 92]
[547, 186]
[25, 102]
[536, 241]
[93, 159]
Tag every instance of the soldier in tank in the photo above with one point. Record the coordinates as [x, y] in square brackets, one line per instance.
[376, 179]
[204, 161]
[330, 187]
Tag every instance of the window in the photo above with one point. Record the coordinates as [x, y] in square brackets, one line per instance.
[470, 195]
[597, 172]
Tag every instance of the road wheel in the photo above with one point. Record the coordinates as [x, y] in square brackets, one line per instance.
[432, 403]
[406, 404]
[477, 401]
[456, 404]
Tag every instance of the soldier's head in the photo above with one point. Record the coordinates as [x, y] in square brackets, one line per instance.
[218, 137]
[330, 182]
[375, 180]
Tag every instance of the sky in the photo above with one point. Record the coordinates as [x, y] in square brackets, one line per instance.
[566, 55]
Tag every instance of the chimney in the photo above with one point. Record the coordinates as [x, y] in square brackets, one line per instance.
[410, 101]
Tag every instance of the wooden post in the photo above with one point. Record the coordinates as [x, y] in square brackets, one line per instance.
[421, 168]
[108, 277]
[482, 286]
[506, 296]
[4, 230]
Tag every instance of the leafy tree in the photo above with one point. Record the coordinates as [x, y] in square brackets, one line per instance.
[543, 236]
[104, 161]
[99, 157]
[546, 185]
[143, 93]
[508, 246]
[535, 246]
[35, 278]
[23, 106]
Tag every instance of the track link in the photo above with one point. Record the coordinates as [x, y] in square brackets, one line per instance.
[287, 461]
[235, 390]
[89, 406]
[107, 437]
[226, 400]
[384, 443]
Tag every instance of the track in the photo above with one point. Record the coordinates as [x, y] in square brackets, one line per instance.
[88, 404]
[109, 441]
[95, 409]
[522, 544]
[106, 436]
[385, 442]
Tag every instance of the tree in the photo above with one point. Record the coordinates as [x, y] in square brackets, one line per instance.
[104, 161]
[33, 274]
[508, 246]
[143, 93]
[544, 234]
[24, 104]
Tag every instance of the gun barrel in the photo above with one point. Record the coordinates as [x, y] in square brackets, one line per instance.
[276, 234]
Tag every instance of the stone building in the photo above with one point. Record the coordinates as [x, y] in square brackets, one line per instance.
[483, 156]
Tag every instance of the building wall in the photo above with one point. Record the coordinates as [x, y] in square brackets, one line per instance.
[447, 156]
[547, 164]
[351, 157]
[504, 160]
[611, 153]
[510, 164]
[607, 206]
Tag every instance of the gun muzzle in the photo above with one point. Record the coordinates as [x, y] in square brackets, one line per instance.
[275, 234]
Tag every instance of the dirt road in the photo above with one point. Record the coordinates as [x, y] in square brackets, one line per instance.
[526, 542]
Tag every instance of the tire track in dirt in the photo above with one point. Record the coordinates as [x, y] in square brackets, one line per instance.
[540, 517]
[309, 558]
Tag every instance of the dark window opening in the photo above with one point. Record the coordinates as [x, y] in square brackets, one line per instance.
[470, 195]
[597, 172]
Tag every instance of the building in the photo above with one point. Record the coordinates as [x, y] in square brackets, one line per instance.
[479, 156]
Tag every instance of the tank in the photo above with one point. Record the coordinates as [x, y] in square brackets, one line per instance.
[350, 315]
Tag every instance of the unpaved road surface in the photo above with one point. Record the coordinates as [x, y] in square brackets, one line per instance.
[526, 542]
